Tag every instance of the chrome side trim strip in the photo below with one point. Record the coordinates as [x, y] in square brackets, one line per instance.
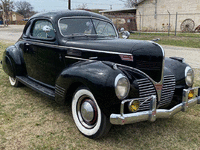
[76, 58]
[135, 69]
[98, 51]
[81, 49]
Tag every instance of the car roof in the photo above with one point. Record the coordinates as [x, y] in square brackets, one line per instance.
[55, 15]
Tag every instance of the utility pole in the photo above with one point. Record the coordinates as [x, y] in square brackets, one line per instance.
[169, 22]
[4, 22]
[155, 9]
[69, 4]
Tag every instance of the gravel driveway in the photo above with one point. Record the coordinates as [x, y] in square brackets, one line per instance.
[191, 55]
[11, 33]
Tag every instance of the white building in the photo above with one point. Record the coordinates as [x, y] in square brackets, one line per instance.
[153, 15]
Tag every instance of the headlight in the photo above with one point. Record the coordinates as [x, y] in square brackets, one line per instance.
[122, 86]
[189, 76]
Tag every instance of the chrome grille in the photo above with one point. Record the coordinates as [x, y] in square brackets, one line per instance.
[146, 88]
[167, 90]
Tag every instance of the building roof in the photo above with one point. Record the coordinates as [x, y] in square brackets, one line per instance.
[140, 1]
[119, 10]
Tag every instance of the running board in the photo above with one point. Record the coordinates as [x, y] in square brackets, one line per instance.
[36, 86]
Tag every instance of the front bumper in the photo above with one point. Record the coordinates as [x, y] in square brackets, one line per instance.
[153, 113]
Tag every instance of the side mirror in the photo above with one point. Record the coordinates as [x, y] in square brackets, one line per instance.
[122, 30]
[124, 34]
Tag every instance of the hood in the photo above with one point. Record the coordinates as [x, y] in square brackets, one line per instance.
[115, 45]
[147, 56]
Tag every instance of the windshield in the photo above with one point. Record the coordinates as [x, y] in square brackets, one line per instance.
[86, 26]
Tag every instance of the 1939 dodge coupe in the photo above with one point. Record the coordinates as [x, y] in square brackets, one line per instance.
[77, 56]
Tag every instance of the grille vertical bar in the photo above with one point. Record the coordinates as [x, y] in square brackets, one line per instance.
[146, 88]
[167, 90]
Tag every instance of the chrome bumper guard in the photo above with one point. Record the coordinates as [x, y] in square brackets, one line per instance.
[153, 113]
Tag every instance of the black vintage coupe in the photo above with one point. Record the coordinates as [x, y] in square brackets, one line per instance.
[77, 56]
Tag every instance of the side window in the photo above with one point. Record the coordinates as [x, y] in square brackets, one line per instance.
[43, 29]
[104, 28]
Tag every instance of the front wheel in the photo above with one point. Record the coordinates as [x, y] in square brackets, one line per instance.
[87, 115]
[14, 82]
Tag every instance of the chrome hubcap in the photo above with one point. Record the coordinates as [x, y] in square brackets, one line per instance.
[87, 111]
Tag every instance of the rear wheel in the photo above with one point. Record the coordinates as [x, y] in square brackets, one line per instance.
[87, 115]
[14, 82]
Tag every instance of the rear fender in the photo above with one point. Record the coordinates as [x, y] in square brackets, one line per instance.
[13, 63]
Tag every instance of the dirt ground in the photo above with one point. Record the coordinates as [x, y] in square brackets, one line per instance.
[191, 55]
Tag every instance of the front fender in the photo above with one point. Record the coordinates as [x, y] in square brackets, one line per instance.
[178, 70]
[12, 62]
[95, 75]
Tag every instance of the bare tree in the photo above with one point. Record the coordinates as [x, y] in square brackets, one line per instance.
[82, 6]
[24, 8]
[130, 3]
[7, 6]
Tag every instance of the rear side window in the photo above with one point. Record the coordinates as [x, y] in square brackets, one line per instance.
[43, 29]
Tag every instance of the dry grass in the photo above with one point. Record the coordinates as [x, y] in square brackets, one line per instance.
[29, 120]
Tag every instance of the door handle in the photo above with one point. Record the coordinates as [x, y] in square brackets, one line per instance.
[60, 57]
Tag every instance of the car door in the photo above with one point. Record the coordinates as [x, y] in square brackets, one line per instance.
[42, 57]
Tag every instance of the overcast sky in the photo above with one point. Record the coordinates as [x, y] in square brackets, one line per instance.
[51, 5]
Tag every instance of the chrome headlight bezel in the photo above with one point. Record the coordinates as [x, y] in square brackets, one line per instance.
[122, 86]
[189, 76]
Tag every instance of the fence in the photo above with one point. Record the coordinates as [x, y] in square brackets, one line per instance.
[168, 22]
[177, 22]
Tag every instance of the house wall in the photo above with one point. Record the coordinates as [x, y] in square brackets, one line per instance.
[148, 21]
[13, 16]
[18, 17]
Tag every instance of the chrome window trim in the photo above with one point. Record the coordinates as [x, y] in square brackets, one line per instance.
[86, 17]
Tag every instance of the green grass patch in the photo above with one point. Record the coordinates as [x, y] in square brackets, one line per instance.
[182, 39]
[29, 120]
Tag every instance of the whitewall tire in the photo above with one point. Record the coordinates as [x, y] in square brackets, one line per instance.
[87, 115]
[14, 82]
